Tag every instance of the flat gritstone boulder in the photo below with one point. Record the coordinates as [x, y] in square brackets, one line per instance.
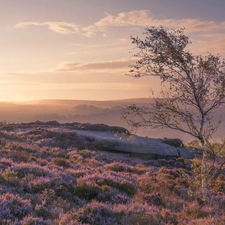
[137, 145]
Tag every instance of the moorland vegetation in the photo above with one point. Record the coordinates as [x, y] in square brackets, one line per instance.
[49, 176]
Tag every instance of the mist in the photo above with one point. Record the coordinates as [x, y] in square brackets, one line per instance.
[84, 111]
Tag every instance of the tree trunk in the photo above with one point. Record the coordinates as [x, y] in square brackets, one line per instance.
[205, 191]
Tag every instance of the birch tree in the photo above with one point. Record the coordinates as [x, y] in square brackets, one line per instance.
[193, 86]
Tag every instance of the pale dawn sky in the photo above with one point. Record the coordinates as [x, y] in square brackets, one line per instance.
[81, 49]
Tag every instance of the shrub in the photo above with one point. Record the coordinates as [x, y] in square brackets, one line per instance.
[13, 207]
[30, 220]
[119, 167]
[87, 190]
[93, 213]
[137, 213]
[109, 179]
[112, 196]
[23, 169]
[151, 199]
[76, 187]
[176, 142]
[61, 162]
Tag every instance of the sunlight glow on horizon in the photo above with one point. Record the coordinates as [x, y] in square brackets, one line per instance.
[83, 53]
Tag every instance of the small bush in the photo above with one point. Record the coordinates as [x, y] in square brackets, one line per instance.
[61, 162]
[13, 207]
[87, 191]
[112, 196]
[176, 142]
[30, 220]
[151, 199]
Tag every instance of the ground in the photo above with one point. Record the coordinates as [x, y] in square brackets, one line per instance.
[52, 177]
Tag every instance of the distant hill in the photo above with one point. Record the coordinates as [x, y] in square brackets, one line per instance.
[107, 112]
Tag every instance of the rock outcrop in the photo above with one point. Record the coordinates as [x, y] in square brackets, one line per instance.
[148, 147]
[96, 136]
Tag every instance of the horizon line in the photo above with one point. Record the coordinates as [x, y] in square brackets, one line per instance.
[65, 99]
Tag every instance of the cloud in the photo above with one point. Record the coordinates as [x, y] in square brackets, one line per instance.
[135, 18]
[58, 27]
[73, 73]
[195, 25]
[104, 86]
[143, 18]
[69, 81]
[121, 64]
[211, 42]
[132, 18]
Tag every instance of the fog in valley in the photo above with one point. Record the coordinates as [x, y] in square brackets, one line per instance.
[107, 112]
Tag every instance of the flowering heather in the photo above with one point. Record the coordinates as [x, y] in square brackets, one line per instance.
[13, 206]
[53, 176]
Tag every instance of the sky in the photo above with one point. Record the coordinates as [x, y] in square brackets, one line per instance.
[81, 49]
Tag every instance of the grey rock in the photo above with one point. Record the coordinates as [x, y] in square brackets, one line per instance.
[139, 145]
[185, 153]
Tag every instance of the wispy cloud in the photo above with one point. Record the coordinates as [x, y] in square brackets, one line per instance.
[103, 86]
[68, 81]
[102, 66]
[210, 42]
[58, 27]
[141, 18]
[72, 72]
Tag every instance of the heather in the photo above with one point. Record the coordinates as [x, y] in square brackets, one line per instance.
[52, 175]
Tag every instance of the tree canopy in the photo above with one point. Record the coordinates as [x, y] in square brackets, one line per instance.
[193, 86]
